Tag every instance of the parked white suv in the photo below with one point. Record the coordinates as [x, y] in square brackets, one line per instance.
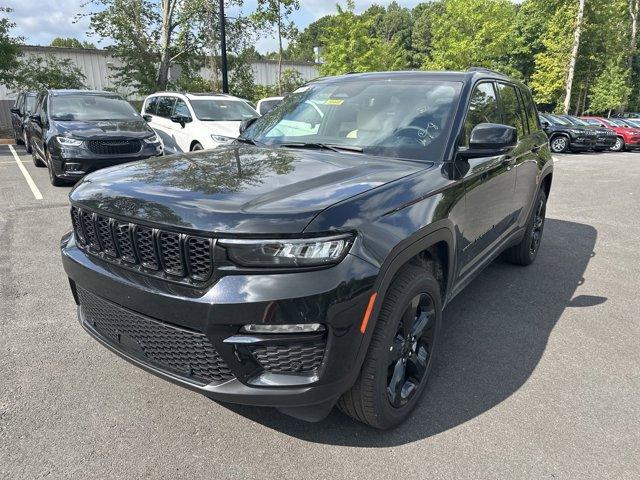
[193, 121]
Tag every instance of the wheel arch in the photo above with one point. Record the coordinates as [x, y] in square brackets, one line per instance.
[193, 144]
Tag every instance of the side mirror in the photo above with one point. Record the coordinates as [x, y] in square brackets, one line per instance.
[15, 110]
[35, 119]
[147, 117]
[181, 119]
[244, 124]
[490, 139]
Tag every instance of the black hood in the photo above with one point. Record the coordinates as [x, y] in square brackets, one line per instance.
[237, 189]
[101, 129]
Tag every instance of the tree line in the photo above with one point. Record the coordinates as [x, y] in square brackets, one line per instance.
[576, 55]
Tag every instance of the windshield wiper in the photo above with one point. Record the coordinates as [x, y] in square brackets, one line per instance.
[323, 146]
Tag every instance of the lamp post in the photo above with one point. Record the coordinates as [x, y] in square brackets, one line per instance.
[223, 50]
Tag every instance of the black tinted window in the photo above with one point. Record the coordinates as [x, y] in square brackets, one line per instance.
[165, 106]
[483, 108]
[532, 113]
[151, 105]
[181, 109]
[512, 113]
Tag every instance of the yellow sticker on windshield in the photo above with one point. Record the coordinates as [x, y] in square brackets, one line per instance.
[334, 101]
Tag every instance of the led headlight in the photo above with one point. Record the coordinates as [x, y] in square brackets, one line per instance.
[69, 142]
[222, 139]
[152, 139]
[308, 252]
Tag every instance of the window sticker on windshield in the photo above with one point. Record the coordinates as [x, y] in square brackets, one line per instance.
[334, 101]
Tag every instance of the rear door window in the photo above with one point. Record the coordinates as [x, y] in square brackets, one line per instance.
[532, 114]
[512, 112]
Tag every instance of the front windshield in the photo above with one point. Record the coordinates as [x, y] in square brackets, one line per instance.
[30, 103]
[222, 110]
[402, 118]
[91, 108]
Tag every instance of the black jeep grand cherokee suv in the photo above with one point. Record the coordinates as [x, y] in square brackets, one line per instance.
[309, 263]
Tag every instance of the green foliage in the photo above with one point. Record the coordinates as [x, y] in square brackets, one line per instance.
[36, 73]
[291, 80]
[69, 42]
[611, 89]
[9, 49]
[350, 47]
[473, 33]
[551, 63]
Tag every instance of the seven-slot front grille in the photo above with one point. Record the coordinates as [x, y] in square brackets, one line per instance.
[114, 147]
[168, 347]
[290, 358]
[171, 255]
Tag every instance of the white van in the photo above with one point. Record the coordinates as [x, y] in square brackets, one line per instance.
[193, 121]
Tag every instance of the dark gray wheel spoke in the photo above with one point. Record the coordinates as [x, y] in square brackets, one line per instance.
[421, 324]
[396, 349]
[394, 388]
[418, 363]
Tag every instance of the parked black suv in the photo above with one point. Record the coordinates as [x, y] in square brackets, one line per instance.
[309, 263]
[74, 132]
[605, 138]
[20, 112]
[564, 136]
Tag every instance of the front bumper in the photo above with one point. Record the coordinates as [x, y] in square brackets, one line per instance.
[74, 163]
[335, 297]
[582, 142]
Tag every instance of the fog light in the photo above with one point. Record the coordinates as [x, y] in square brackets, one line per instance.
[71, 167]
[291, 328]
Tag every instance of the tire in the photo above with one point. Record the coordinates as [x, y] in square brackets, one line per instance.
[370, 398]
[18, 140]
[36, 160]
[527, 250]
[53, 178]
[619, 145]
[196, 146]
[26, 141]
[559, 144]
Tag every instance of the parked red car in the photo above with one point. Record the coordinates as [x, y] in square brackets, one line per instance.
[628, 137]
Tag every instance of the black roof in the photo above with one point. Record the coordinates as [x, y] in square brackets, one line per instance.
[472, 74]
[55, 92]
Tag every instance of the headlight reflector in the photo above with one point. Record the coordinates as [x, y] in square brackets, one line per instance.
[152, 139]
[221, 139]
[69, 142]
[308, 252]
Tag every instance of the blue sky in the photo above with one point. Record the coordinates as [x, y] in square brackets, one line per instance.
[40, 21]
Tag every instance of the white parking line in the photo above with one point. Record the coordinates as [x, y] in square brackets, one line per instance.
[27, 177]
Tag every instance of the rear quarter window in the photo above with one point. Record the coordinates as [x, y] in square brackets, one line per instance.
[151, 105]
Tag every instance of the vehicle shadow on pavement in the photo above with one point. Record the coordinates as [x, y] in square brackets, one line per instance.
[494, 335]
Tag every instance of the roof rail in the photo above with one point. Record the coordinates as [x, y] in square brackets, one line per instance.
[483, 69]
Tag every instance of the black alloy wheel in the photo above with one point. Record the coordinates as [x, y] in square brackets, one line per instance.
[538, 226]
[403, 345]
[525, 252]
[410, 352]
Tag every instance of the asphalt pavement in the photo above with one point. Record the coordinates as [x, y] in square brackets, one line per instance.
[538, 374]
